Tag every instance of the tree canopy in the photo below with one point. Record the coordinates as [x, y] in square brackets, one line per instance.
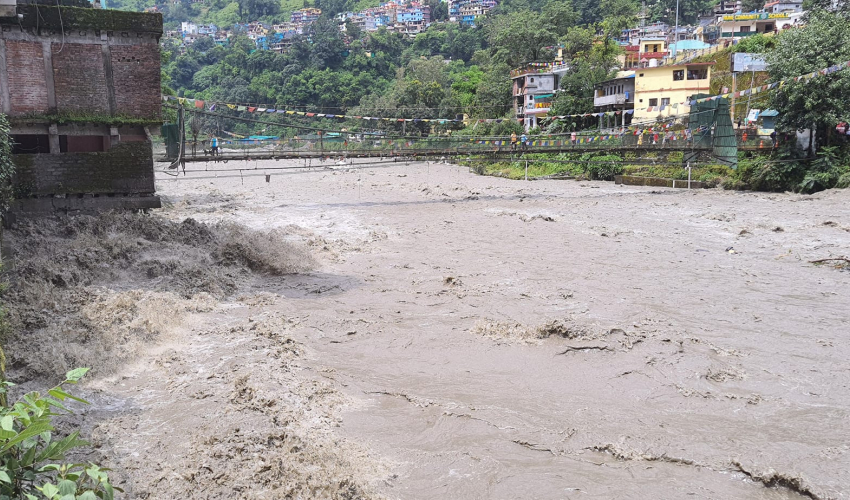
[820, 102]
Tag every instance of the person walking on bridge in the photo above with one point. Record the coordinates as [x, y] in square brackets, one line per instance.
[524, 141]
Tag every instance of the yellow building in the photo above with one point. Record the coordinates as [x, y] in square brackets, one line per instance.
[653, 45]
[657, 89]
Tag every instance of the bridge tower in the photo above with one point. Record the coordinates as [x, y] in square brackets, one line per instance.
[711, 125]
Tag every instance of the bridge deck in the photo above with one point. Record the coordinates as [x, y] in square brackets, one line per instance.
[493, 152]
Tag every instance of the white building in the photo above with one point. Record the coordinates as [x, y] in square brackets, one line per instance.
[188, 28]
[533, 92]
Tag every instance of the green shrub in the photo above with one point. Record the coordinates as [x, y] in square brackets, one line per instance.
[781, 172]
[676, 157]
[604, 167]
[755, 44]
[825, 170]
[32, 462]
[7, 168]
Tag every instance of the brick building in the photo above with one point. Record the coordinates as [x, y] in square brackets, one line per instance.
[81, 89]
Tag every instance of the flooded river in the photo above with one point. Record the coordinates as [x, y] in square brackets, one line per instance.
[474, 337]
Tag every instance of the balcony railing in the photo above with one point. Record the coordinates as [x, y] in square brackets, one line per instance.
[653, 55]
[531, 70]
[537, 108]
[739, 34]
[609, 100]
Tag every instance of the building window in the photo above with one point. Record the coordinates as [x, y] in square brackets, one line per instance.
[678, 75]
[30, 144]
[665, 101]
[653, 102]
[745, 29]
[641, 75]
[697, 74]
[82, 143]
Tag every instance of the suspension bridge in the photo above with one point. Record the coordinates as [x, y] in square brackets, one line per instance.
[708, 136]
[428, 149]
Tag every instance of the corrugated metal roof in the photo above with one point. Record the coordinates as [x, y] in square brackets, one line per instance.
[689, 45]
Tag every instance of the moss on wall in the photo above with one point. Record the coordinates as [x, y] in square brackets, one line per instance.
[76, 18]
[67, 3]
[94, 118]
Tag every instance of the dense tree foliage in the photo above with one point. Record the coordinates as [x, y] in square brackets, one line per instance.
[592, 63]
[689, 10]
[821, 102]
[448, 70]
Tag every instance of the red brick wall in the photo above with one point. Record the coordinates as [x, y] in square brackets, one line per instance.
[136, 74]
[27, 86]
[79, 79]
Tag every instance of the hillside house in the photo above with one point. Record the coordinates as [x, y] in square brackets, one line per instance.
[661, 90]
[534, 90]
[617, 94]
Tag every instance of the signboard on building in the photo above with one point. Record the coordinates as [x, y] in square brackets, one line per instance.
[753, 116]
[742, 62]
[759, 16]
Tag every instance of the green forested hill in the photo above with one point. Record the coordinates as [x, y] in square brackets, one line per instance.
[443, 72]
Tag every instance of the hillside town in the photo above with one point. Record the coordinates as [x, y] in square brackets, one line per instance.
[409, 18]
[657, 70]
[724, 23]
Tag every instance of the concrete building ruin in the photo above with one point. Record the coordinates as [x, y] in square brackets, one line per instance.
[81, 88]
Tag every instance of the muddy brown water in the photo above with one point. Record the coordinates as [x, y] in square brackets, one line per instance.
[697, 354]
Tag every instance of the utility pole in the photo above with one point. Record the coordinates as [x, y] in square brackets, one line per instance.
[750, 97]
[734, 89]
[676, 31]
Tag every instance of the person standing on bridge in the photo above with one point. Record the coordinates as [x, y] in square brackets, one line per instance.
[573, 138]
[524, 140]
[214, 145]
[513, 141]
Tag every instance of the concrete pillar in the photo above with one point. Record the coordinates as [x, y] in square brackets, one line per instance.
[107, 71]
[53, 138]
[47, 53]
[115, 138]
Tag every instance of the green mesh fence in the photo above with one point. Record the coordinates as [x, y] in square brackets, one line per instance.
[711, 126]
[171, 134]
